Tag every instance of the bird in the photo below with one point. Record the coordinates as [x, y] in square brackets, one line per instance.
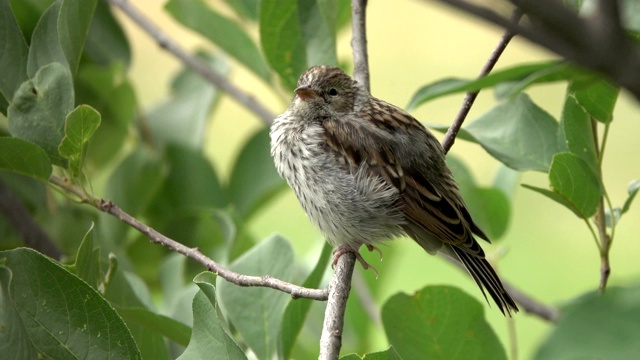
[365, 171]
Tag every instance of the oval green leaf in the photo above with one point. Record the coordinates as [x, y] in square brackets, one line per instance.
[439, 322]
[256, 312]
[80, 125]
[518, 133]
[574, 180]
[23, 157]
[39, 108]
[222, 31]
[209, 338]
[597, 326]
[296, 34]
[253, 163]
[61, 315]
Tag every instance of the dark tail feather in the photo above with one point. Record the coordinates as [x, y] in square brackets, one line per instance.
[486, 278]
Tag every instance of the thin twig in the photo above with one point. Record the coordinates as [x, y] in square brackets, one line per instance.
[470, 97]
[598, 43]
[332, 328]
[359, 43]
[165, 42]
[193, 253]
[531, 305]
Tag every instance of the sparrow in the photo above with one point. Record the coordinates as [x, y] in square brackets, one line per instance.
[366, 171]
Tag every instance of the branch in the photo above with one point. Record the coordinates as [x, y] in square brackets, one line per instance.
[331, 338]
[531, 305]
[24, 224]
[526, 302]
[165, 42]
[598, 43]
[470, 97]
[359, 43]
[193, 253]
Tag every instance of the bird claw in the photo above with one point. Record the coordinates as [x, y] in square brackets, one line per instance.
[341, 250]
[371, 248]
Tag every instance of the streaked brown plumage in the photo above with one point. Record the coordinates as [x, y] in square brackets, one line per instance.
[366, 171]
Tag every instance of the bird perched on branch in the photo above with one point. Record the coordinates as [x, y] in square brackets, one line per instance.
[366, 171]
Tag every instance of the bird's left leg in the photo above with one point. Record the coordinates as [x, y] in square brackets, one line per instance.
[342, 249]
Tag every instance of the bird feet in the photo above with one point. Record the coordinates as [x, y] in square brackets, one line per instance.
[342, 249]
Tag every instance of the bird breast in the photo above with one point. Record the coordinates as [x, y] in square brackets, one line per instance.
[347, 204]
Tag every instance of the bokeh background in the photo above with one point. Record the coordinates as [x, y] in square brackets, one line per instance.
[547, 251]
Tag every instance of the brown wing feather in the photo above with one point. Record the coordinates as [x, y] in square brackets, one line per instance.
[435, 207]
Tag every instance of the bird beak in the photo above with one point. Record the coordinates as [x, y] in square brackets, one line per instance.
[305, 93]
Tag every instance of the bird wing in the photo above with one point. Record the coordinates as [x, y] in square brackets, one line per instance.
[436, 210]
[437, 217]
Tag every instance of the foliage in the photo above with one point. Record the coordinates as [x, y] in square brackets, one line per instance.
[71, 111]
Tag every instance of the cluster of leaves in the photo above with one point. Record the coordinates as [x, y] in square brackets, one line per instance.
[70, 109]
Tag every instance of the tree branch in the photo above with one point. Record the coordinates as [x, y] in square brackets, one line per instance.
[470, 97]
[331, 338]
[193, 253]
[165, 42]
[359, 43]
[598, 42]
[332, 328]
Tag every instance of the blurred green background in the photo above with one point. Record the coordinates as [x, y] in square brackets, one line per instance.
[547, 252]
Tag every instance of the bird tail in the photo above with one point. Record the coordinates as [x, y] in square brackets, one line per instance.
[486, 278]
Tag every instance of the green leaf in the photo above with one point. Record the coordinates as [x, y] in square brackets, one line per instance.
[106, 42]
[134, 183]
[597, 326]
[222, 31]
[578, 133]
[112, 95]
[248, 9]
[574, 180]
[489, 207]
[87, 266]
[157, 324]
[253, 163]
[208, 336]
[23, 157]
[555, 197]
[520, 77]
[296, 311]
[462, 132]
[296, 34]
[632, 190]
[80, 125]
[188, 170]
[182, 119]
[14, 52]
[45, 47]
[39, 108]
[389, 354]
[73, 26]
[559, 72]
[61, 314]
[518, 133]
[14, 339]
[244, 305]
[439, 322]
[597, 96]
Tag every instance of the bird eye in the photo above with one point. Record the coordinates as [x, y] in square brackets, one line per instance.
[333, 92]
